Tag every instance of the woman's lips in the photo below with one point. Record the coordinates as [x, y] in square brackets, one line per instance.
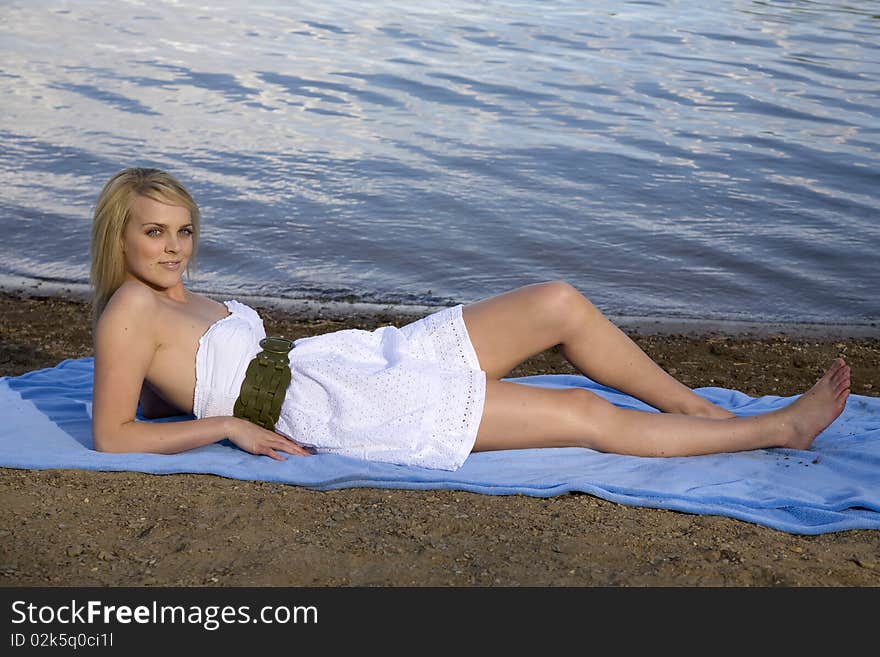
[173, 266]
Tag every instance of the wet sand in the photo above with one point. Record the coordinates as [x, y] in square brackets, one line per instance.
[85, 528]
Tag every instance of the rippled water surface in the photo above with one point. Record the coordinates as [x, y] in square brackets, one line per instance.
[712, 160]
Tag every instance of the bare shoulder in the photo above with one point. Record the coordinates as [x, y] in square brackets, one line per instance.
[132, 297]
[129, 315]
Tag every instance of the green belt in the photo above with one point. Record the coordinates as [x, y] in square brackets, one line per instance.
[265, 384]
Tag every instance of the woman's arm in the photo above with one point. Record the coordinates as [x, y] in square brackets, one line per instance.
[124, 347]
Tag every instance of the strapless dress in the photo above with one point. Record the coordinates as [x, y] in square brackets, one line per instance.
[412, 395]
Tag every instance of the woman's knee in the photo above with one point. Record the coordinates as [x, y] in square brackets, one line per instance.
[558, 291]
[591, 413]
[563, 301]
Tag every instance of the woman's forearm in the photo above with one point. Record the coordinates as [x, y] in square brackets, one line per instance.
[162, 437]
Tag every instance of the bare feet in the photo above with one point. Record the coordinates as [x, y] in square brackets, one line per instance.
[812, 412]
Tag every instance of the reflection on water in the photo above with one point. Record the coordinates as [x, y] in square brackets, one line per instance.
[667, 158]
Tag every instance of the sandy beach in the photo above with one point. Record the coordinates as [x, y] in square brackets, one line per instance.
[85, 528]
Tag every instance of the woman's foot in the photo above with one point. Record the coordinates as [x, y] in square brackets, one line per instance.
[810, 414]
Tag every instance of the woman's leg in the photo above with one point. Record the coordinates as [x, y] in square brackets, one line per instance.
[517, 416]
[509, 328]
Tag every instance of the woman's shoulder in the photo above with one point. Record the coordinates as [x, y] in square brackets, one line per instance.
[128, 322]
[133, 311]
[132, 298]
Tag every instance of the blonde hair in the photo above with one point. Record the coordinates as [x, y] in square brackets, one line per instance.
[112, 213]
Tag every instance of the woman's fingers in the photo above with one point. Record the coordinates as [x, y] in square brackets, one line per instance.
[296, 450]
[291, 448]
[283, 444]
[290, 442]
[271, 453]
[267, 450]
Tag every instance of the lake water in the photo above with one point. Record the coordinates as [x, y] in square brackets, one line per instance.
[670, 159]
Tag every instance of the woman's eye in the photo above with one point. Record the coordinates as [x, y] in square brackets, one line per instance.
[153, 231]
[187, 231]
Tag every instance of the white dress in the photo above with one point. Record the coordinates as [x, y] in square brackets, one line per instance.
[412, 395]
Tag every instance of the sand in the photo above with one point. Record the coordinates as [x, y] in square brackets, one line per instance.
[85, 528]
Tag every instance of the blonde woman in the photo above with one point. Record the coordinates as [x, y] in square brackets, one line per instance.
[428, 393]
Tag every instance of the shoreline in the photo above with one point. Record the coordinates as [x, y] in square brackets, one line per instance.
[316, 309]
[39, 330]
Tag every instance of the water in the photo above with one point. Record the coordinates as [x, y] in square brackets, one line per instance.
[669, 159]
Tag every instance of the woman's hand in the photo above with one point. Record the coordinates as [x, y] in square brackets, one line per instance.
[257, 440]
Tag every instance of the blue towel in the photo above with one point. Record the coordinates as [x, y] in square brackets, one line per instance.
[834, 486]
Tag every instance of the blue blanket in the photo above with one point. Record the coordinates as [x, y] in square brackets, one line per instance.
[835, 486]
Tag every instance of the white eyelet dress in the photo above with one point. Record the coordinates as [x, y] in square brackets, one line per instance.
[412, 395]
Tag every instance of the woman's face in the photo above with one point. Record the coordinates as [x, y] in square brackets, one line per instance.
[157, 243]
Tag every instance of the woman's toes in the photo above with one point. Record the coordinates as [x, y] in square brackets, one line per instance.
[835, 369]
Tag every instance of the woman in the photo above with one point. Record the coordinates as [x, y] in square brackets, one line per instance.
[427, 393]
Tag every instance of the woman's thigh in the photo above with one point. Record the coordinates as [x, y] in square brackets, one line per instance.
[508, 328]
[519, 416]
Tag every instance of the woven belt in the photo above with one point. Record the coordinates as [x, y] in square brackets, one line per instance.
[265, 384]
